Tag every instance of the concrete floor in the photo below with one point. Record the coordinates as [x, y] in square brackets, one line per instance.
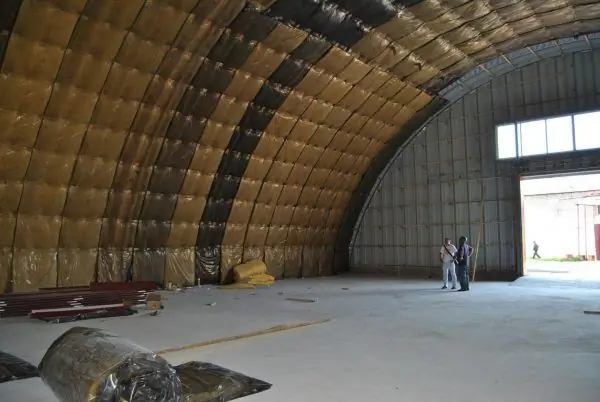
[387, 340]
[582, 270]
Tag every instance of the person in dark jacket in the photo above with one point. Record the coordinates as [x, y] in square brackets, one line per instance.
[462, 263]
[536, 247]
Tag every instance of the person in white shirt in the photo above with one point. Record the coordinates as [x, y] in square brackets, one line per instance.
[447, 253]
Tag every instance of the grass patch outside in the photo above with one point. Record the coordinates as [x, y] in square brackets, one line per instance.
[558, 259]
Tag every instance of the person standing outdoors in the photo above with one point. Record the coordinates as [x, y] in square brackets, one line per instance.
[447, 253]
[462, 263]
[536, 247]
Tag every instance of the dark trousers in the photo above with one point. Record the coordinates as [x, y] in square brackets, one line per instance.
[462, 272]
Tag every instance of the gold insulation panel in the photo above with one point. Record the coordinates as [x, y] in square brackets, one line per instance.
[120, 119]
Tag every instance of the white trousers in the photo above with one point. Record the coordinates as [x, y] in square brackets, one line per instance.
[449, 266]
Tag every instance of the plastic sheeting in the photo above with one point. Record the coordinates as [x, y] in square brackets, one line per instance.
[13, 368]
[184, 110]
[207, 382]
[87, 364]
[208, 260]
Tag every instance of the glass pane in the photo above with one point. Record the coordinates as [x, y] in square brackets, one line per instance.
[587, 132]
[506, 141]
[532, 138]
[559, 134]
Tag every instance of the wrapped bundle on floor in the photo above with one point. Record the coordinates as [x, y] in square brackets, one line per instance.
[90, 365]
[253, 272]
[207, 382]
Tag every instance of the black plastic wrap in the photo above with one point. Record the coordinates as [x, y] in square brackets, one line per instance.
[239, 53]
[208, 261]
[244, 142]
[271, 95]
[312, 49]
[183, 128]
[376, 12]
[225, 187]
[253, 25]
[255, 118]
[348, 32]
[217, 210]
[290, 72]
[298, 12]
[199, 103]
[207, 382]
[13, 368]
[210, 235]
[326, 19]
[176, 155]
[212, 76]
[88, 364]
[352, 5]
[223, 47]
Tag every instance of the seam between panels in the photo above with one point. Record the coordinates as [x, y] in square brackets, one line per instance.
[84, 137]
[324, 184]
[269, 226]
[110, 189]
[224, 164]
[195, 143]
[35, 144]
[9, 30]
[146, 192]
[127, 137]
[283, 143]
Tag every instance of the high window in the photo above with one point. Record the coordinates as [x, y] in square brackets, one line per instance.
[574, 132]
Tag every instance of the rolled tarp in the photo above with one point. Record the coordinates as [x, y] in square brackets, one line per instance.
[207, 382]
[91, 365]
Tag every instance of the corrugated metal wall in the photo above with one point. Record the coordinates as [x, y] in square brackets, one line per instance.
[434, 188]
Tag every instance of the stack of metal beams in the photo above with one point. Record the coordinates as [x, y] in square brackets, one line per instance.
[51, 302]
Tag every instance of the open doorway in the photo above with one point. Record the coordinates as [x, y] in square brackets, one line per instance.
[561, 226]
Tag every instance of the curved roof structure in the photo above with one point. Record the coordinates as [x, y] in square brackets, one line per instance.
[168, 140]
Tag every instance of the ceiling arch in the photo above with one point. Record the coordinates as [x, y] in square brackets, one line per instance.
[169, 139]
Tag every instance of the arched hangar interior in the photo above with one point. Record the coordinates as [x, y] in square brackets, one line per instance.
[169, 140]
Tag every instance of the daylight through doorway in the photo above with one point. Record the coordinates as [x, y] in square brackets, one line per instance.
[561, 226]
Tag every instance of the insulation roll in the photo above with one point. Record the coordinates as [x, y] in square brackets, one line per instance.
[207, 382]
[244, 272]
[90, 365]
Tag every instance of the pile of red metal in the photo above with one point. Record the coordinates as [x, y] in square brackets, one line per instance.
[75, 300]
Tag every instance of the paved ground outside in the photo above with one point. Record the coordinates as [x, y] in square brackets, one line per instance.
[584, 274]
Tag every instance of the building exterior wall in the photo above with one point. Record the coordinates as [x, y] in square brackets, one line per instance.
[439, 183]
[561, 227]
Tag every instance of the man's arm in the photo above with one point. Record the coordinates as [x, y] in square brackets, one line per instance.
[470, 251]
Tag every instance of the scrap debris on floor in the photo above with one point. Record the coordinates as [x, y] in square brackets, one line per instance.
[86, 364]
[301, 300]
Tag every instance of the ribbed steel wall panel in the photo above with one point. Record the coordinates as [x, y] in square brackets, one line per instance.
[434, 187]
